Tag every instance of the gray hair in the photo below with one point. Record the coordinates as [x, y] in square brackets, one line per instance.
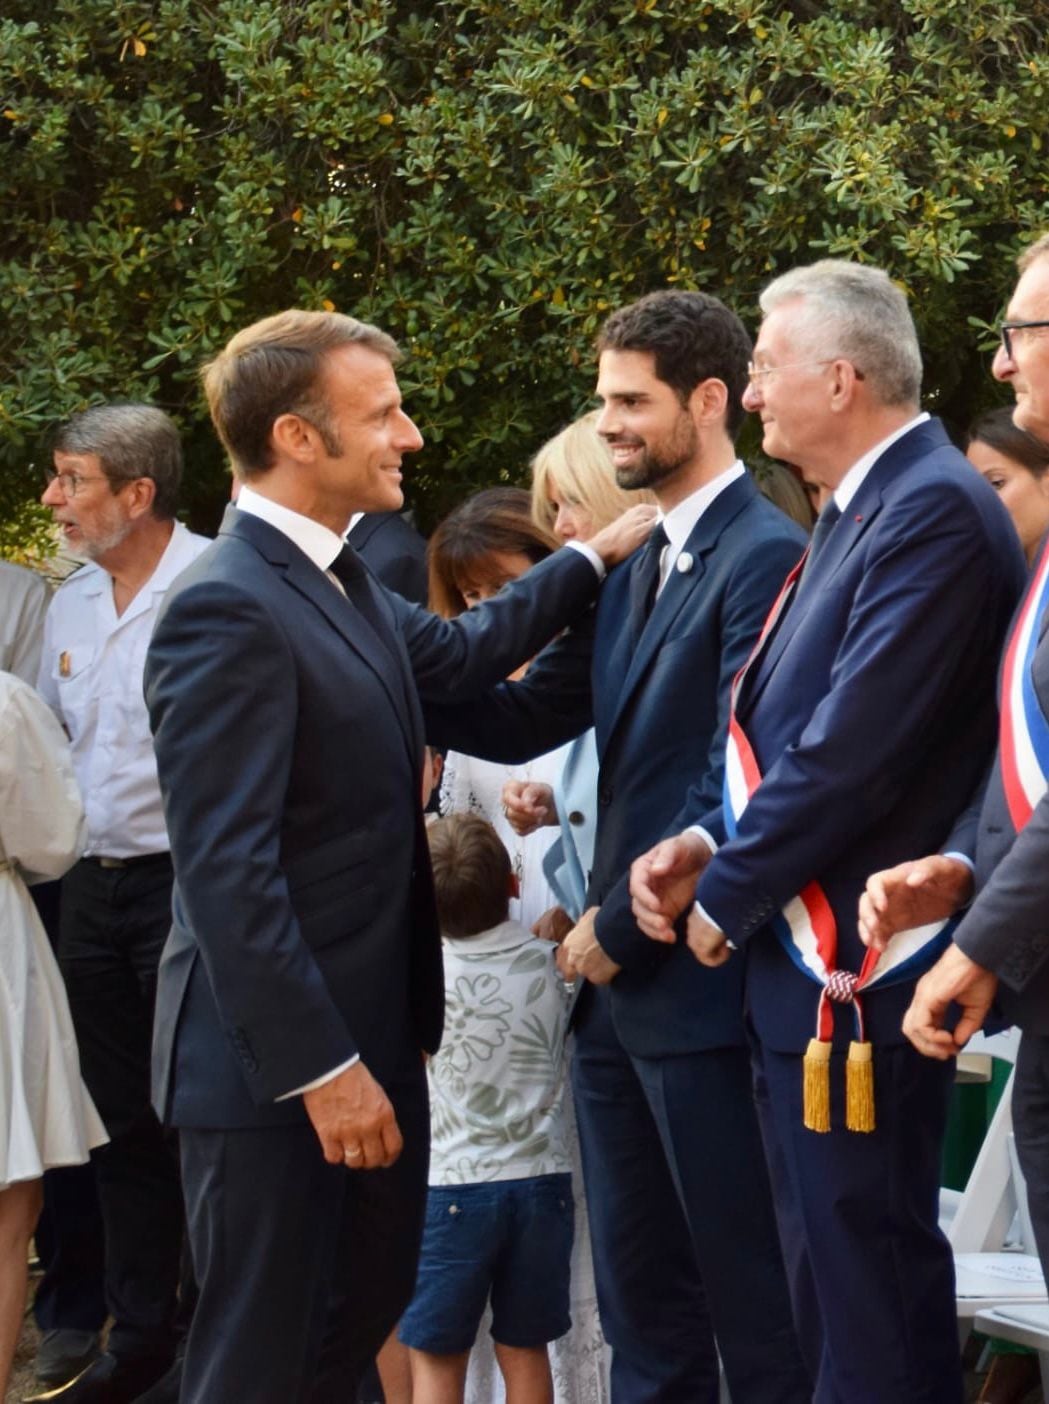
[859, 314]
[1033, 252]
[130, 441]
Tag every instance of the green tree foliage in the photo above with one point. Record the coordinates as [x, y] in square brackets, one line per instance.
[486, 179]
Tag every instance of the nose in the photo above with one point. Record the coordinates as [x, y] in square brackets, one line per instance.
[751, 398]
[409, 439]
[564, 528]
[1003, 366]
[606, 424]
[53, 496]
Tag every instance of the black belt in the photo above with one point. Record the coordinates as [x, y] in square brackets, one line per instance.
[138, 861]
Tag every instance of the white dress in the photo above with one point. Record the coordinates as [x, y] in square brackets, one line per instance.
[46, 1116]
[579, 1361]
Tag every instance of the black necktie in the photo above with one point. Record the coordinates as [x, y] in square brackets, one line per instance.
[825, 524]
[352, 575]
[644, 580]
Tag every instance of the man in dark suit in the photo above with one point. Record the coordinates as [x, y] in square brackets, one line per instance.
[302, 981]
[393, 551]
[1002, 943]
[661, 1076]
[861, 726]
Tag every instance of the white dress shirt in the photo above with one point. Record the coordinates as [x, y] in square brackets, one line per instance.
[91, 676]
[680, 520]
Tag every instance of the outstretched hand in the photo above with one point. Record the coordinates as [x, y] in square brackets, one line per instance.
[620, 538]
[912, 894]
[663, 883]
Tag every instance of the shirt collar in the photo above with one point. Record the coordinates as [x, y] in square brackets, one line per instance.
[680, 521]
[507, 936]
[853, 479]
[176, 556]
[318, 542]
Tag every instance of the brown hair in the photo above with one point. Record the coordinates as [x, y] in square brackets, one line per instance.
[471, 874]
[997, 430]
[497, 519]
[275, 367]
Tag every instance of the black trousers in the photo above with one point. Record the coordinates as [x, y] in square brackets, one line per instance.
[113, 925]
[303, 1267]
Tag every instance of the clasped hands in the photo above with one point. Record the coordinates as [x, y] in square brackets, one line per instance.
[663, 886]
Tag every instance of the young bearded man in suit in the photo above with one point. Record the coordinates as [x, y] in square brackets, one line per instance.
[660, 1072]
[1001, 945]
[860, 727]
[302, 980]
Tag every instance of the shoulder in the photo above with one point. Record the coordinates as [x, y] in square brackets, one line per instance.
[18, 581]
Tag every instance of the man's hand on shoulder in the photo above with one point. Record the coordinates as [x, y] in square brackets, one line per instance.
[663, 883]
[354, 1120]
[912, 894]
[953, 979]
[622, 537]
[580, 953]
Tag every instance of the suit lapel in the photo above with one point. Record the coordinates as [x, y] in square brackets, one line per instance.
[841, 542]
[682, 585]
[385, 659]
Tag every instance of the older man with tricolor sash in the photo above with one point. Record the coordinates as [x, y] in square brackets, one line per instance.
[861, 726]
[1002, 944]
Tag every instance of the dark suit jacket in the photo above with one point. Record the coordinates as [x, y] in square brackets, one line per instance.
[872, 715]
[1007, 928]
[394, 552]
[289, 743]
[660, 714]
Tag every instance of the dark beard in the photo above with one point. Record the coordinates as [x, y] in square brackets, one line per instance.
[656, 466]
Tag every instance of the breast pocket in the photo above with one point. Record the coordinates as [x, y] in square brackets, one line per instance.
[73, 678]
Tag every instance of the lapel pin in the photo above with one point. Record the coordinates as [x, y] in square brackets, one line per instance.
[858, 517]
[65, 664]
[684, 563]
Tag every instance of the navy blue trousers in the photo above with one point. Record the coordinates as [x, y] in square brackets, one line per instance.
[684, 1235]
[871, 1275]
[303, 1267]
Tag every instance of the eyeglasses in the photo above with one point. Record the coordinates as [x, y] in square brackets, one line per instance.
[756, 374]
[1007, 329]
[71, 483]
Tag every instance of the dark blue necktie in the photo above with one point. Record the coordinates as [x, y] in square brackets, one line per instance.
[644, 580]
[825, 524]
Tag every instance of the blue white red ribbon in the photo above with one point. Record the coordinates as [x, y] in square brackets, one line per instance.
[1024, 731]
[806, 926]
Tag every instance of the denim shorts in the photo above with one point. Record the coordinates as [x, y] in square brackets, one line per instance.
[510, 1240]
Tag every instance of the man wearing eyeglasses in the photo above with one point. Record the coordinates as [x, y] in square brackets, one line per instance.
[113, 495]
[862, 722]
[1001, 945]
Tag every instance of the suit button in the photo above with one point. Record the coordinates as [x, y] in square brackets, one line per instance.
[575, 817]
[604, 794]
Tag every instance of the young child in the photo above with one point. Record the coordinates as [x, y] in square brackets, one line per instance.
[499, 1218]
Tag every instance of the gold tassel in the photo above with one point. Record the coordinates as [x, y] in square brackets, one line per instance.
[859, 1088]
[816, 1086]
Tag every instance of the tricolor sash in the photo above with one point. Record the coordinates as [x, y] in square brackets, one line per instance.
[808, 933]
[1024, 731]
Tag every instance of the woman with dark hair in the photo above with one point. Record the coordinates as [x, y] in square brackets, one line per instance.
[1014, 462]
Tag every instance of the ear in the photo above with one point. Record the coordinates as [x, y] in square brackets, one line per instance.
[708, 402]
[140, 495]
[846, 386]
[295, 438]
